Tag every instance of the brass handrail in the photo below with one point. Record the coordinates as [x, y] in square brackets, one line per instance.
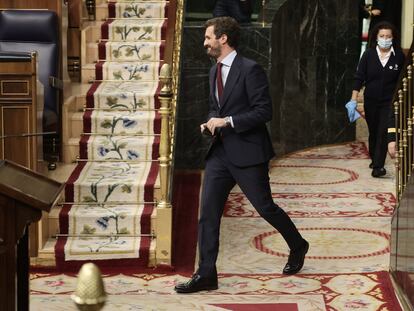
[403, 104]
[169, 78]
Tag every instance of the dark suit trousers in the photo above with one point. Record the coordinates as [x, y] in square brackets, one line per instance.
[220, 177]
[376, 115]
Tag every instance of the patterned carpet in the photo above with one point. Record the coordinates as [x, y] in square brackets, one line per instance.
[110, 194]
[341, 210]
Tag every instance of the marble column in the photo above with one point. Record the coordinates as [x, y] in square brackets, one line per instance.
[314, 57]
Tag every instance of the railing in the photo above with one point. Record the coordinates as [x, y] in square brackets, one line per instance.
[402, 225]
[404, 122]
[169, 78]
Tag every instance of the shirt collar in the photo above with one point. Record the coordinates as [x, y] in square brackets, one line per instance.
[389, 52]
[228, 60]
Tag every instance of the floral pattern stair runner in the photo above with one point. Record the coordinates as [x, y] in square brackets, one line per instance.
[110, 194]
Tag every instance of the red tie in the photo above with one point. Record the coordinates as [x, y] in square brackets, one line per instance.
[219, 81]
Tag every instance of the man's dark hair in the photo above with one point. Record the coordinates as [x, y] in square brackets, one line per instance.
[372, 43]
[226, 26]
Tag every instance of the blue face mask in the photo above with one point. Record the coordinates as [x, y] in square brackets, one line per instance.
[384, 43]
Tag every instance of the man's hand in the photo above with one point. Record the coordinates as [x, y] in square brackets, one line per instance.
[376, 12]
[214, 123]
[391, 149]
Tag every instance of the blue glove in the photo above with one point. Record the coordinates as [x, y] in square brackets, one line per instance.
[353, 114]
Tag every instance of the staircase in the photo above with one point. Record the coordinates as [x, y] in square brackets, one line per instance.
[112, 130]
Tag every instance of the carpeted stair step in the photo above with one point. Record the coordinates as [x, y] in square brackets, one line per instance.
[130, 51]
[121, 122]
[111, 182]
[132, 148]
[123, 95]
[134, 30]
[138, 9]
[105, 252]
[132, 9]
[105, 219]
[126, 71]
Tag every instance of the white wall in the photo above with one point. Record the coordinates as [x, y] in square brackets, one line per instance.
[407, 22]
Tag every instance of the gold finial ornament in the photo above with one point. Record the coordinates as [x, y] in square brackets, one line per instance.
[165, 78]
[90, 292]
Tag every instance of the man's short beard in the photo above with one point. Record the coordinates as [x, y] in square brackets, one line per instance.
[214, 52]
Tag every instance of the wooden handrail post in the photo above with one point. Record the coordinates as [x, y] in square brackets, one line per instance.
[165, 98]
[164, 213]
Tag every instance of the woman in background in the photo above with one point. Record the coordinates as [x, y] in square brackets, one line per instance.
[378, 70]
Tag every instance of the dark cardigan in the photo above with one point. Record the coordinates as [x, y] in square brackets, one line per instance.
[379, 81]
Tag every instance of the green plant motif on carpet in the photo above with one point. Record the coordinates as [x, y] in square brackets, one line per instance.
[134, 10]
[113, 103]
[132, 72]
[103, 223]
[130, 50]
[125, 31]
[114, 146]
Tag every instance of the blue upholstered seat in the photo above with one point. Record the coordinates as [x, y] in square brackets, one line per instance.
[37, 30]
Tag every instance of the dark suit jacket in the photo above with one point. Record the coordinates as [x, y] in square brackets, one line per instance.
[246, 99]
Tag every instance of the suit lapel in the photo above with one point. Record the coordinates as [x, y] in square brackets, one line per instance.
[231, 80]
[213, 82]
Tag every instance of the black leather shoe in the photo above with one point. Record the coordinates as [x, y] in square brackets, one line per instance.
[378, 172]
[197, 283]
[296, 260]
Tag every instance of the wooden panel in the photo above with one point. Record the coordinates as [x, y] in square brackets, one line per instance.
[38, 4]
[15, 87]
[74, 35]
[8, 256]
[6, 4]
[17, 149]
[2, 225]
[74, 13]
[16, 67]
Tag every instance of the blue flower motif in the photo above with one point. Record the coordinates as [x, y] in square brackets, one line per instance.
[103, 222]
[143, 68]
[127, 123]
[126, 14]
[132, 155]
[102, 151]
[124, 96]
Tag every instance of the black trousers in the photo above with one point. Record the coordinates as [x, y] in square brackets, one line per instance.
[376, 115]
[220, 177]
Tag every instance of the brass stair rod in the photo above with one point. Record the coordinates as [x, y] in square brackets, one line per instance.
[102, 235]
[27, 135]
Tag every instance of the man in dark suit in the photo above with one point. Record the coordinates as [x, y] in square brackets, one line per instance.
[240, 10]
[240, 106]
